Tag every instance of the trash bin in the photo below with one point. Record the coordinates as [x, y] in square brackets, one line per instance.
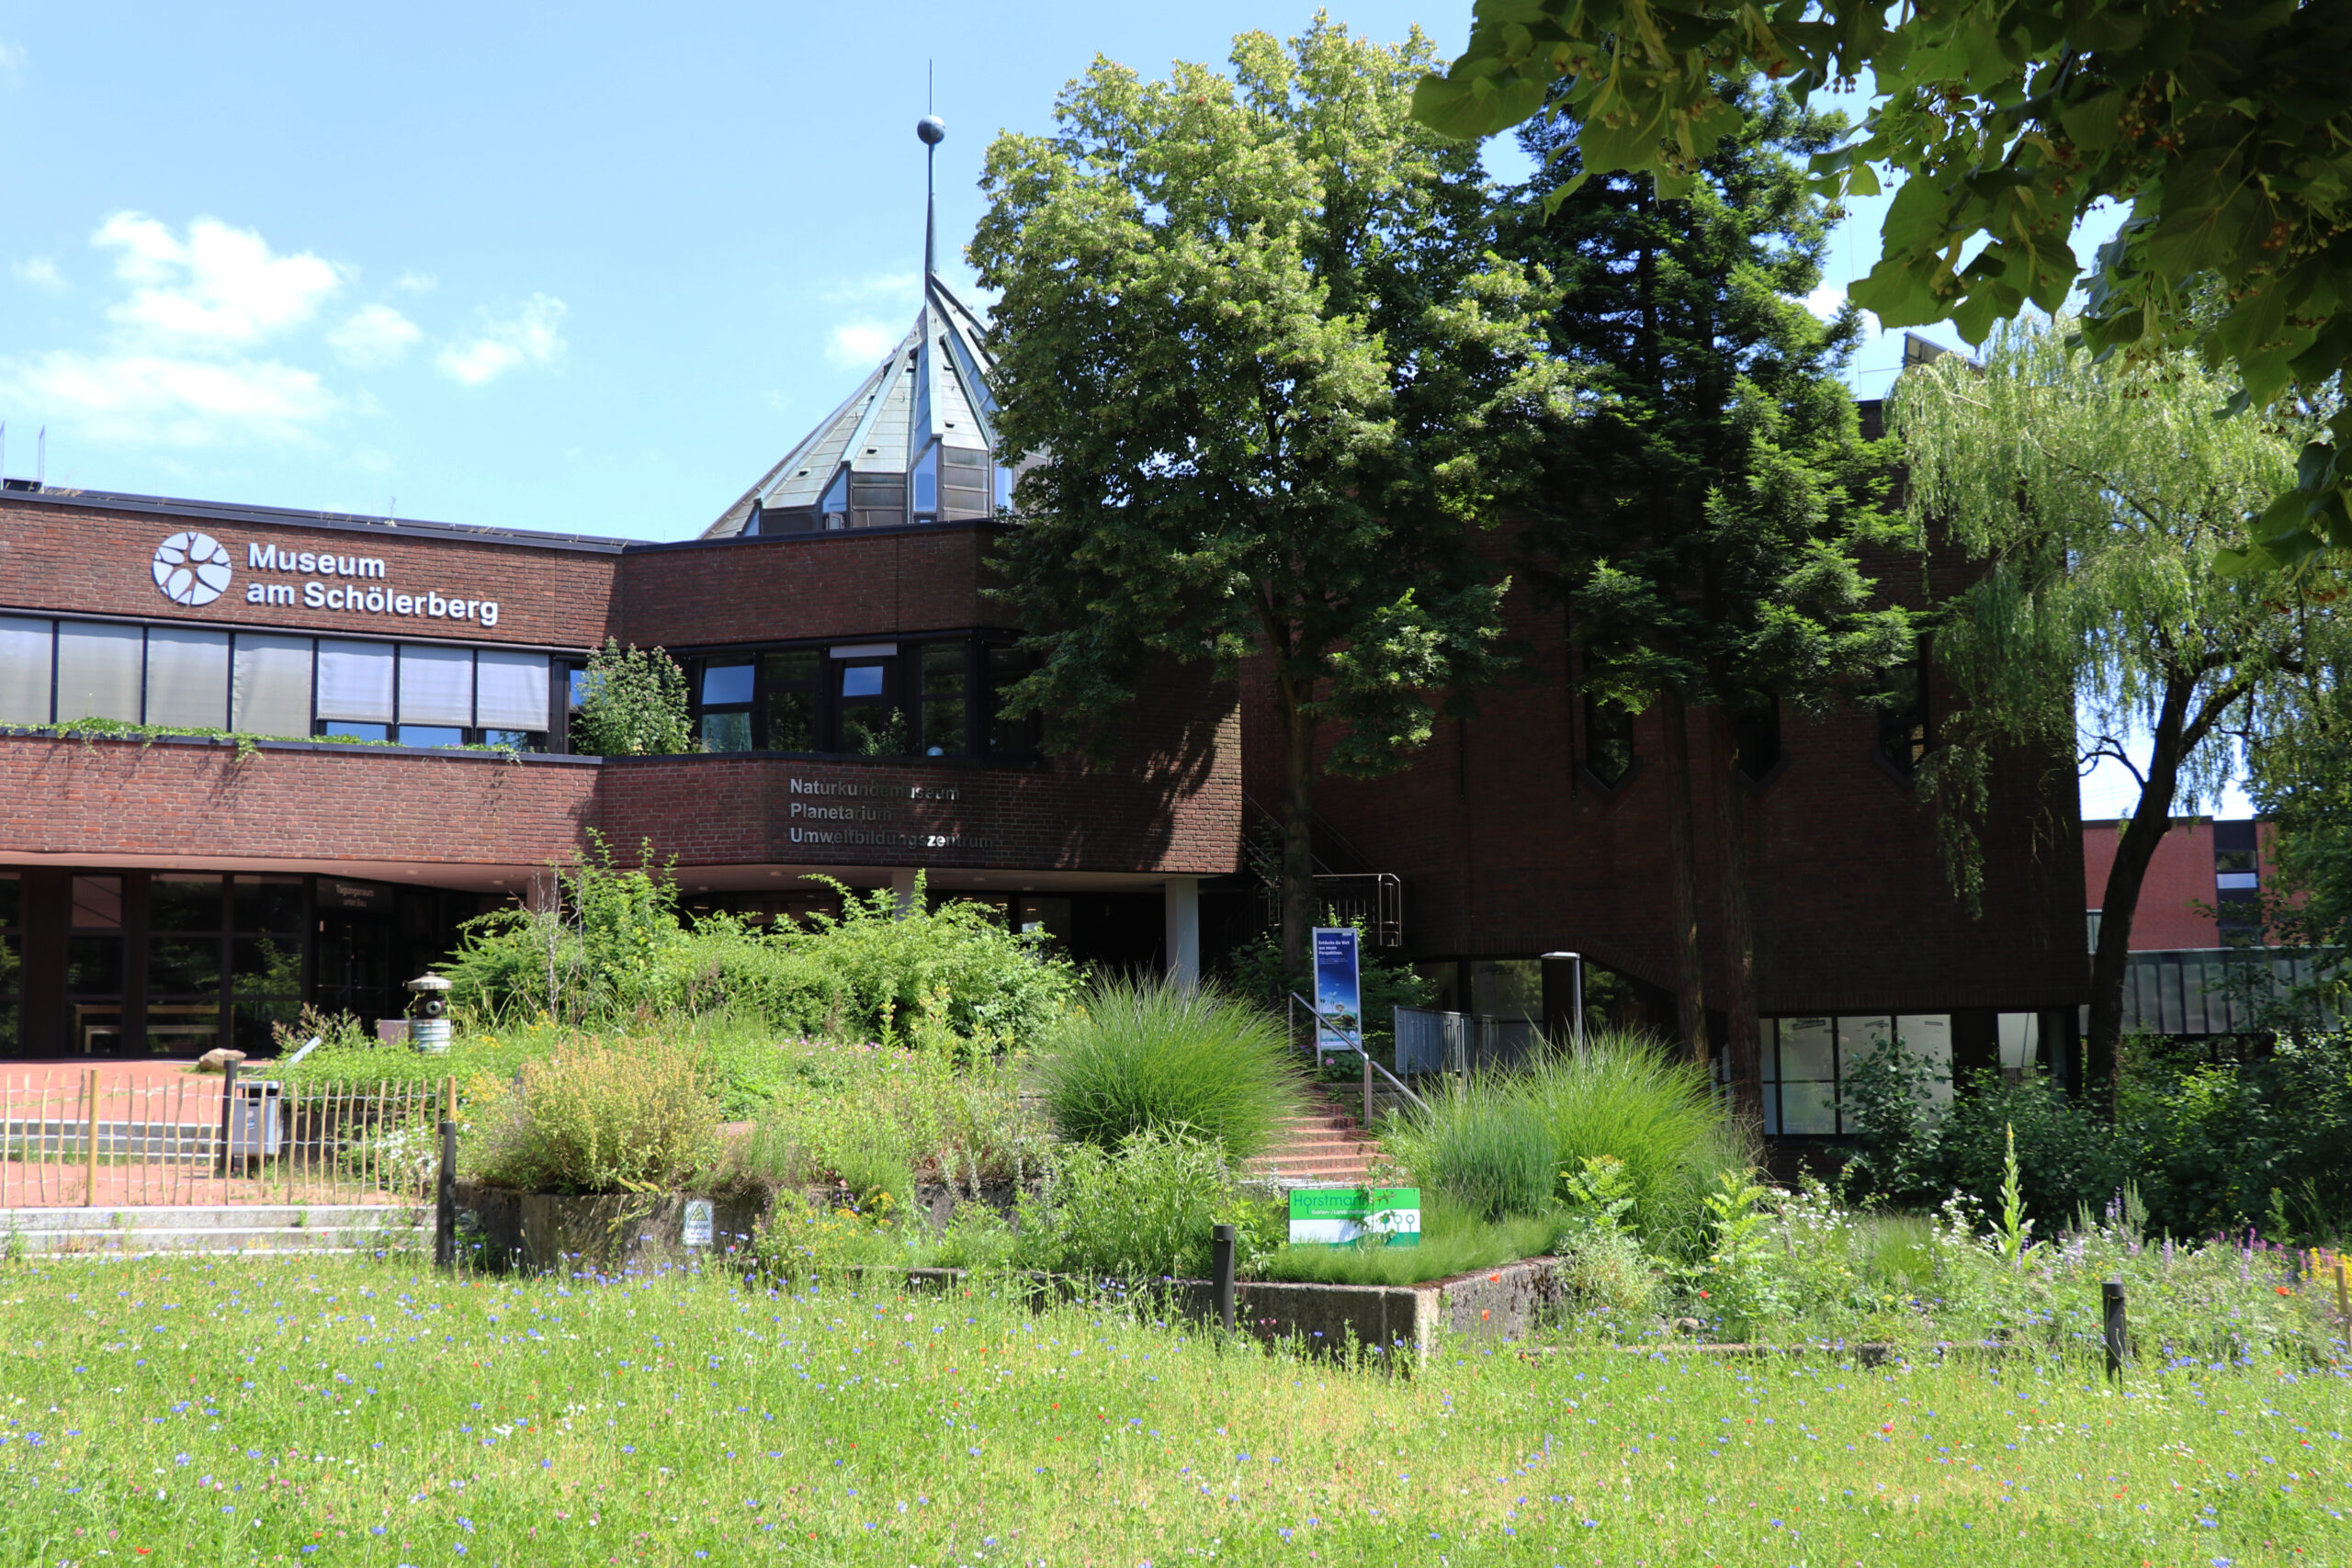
[256, 1122]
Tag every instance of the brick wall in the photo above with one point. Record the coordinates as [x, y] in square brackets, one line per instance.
[101, 801]
[60, 554]
[1173, 807]
[808, 585]
[2180, 877]
[1508, 848]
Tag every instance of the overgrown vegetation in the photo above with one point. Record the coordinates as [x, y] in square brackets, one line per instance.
[597, 1117]
[632, 703]
[2205, 1146]
[1145, 1055]
[614, 950]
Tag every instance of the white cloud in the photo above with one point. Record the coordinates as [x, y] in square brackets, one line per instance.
[39, 272]
[13, 61]
[219, 289]
[890, 285]
[859, 344]
[159, 399]
[417, 282]
[528, 337]
[374, 337]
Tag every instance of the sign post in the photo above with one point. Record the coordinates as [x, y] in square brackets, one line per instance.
[1339, 991]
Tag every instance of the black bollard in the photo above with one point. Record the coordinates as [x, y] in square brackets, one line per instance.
[1221, 1252]
[228, 1110]
[2118, 1335]
[444, 1201]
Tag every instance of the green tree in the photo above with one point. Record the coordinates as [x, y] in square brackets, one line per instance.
[1275, 386]
[1715, 507]
[2226, 127]
[632, 703]
[2095, 491]
[2300, 768]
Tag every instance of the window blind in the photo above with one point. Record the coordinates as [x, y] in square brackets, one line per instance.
[511, 690]
[271, 685]
[356, 681]
[437, 685]
[98, 670]
[188, 677]
[24, 671]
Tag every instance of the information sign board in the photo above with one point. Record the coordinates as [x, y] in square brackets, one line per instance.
[696, 1229]
[1346, 1217]
[1339, 991]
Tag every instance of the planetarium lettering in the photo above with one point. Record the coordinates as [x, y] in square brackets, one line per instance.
[865, 813]
[367, 593]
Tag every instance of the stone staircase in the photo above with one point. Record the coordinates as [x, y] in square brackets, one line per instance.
[215, 1230]
[1322, 1146]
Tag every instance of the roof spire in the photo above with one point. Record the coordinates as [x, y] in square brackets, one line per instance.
[933, 130]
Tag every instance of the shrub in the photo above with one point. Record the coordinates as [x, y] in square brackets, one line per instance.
[1622, 1098]
[1145, 1055]
[1487, 1149]
[1143, 1212]
[2066, 1156]
[598, 1118]
[632, 703]
[955, 969]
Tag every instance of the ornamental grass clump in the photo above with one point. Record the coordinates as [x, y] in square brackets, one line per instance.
[1147, 1055]
[596, 1118]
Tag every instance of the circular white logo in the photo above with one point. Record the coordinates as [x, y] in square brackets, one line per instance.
[191, 569]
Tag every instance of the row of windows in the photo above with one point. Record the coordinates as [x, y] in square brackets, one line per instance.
[1808, 1063]
[210, 941]
[948, 484]
[1903, 731]
[875, 699]
[270, 684]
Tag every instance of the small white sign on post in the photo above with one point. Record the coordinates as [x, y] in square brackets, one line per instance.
[696, 1229]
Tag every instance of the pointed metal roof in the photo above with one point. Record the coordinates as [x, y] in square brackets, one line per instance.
[859, 467]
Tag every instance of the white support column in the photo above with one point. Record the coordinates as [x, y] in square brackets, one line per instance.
[902, 882]
[1183, 899]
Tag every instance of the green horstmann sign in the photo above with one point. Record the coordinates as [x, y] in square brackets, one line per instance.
[1347, 1216]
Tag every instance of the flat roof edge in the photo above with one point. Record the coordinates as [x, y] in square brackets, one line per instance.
[289, 517]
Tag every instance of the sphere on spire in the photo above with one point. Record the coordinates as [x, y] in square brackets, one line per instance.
[931, 128]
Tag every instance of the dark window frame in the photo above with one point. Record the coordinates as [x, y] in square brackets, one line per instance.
[983, 738]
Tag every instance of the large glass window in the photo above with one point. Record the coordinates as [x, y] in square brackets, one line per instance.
[726, 720]
[188, 677]
[94, 962]
[437, 687]
[926, 484]
[1808, 1061]
[789, 700]
[1903, 736]
[869, 721]
[98, 670]
[962, 483]
[11, 918]
[510, 691]
[266, 915]
[270, 684]
[1608, 739]
[946, 669]
[25, 650]
[1008, 737]
[356, 681]
[186, 918]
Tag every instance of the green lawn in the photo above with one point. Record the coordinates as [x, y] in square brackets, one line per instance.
[228, 1411]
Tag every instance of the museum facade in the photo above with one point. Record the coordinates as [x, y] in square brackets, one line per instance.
[387, 754]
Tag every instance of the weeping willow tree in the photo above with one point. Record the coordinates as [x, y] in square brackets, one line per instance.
[2095, 493]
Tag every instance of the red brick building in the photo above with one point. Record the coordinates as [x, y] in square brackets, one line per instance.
[410, 682]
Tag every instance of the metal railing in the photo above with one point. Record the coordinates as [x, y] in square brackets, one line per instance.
[138, 1136]
[1429, 1041]
[1373, 899]
[1355, 1039]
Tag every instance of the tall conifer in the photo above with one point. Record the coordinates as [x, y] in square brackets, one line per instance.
[1707, 525]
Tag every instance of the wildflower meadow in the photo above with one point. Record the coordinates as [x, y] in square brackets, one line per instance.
[349, 1409]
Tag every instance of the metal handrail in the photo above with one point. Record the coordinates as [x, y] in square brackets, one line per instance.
[1370, 1067]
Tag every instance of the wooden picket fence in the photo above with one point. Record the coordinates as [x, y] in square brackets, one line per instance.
[133, 1136]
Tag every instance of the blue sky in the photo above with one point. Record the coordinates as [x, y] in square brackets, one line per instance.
[584, 267]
